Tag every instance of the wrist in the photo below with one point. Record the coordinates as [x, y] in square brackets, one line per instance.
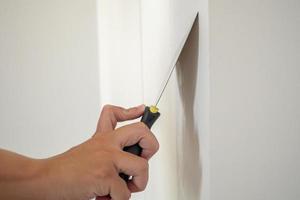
[35, 179]
[45, 173]
[52, 178]
[38, 180]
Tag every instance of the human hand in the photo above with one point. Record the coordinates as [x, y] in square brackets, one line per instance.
[92, 168]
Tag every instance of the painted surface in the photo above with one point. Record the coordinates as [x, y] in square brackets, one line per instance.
[120, 52]
[178, 167]
[255, 111]
[49, 98]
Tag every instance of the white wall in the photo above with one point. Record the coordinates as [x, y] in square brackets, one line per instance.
[48, 75]
[138, 42]
[255, 109]
[182, 129]
[120, 52]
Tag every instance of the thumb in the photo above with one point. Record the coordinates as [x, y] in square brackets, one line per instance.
[111, 115]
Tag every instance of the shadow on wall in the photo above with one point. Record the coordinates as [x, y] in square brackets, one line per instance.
[189, 168]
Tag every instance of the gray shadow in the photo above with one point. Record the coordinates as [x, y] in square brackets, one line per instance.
[190, 170]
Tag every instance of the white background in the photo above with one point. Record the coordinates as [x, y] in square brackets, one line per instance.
[49, 79]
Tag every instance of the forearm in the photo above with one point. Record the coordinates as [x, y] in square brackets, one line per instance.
[20, 177]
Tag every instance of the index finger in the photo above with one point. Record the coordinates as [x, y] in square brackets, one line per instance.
[137, 133]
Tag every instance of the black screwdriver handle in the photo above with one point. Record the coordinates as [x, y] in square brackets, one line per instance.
[148, 118]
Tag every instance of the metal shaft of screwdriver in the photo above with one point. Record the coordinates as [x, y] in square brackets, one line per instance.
[165, 84]
[173, 65]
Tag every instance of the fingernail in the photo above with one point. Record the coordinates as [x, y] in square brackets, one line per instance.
[141, 107]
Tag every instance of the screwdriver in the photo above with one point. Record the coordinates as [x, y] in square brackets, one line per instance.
[149, 117]
[151, 113]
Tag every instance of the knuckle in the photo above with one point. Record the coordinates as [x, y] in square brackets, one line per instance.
[105, 174]
[144, 165]
[142, 187]
[156, 145]
[107, 107]
[127, 195]
[143, 127]
[155, 142]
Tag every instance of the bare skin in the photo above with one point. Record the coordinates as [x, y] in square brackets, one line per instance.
[85, 171]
